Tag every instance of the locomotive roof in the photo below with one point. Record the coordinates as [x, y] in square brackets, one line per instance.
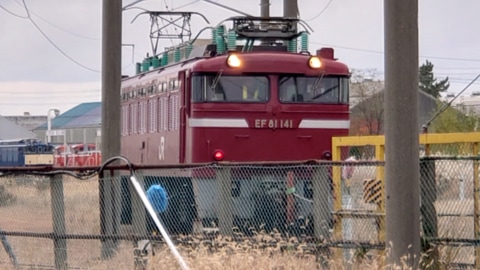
[246, 35]
[284, 63]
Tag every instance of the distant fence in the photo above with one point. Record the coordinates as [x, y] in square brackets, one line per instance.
[79, 220]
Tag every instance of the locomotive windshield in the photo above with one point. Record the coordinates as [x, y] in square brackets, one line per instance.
[291, 89]
[226, 88]
[325, 90]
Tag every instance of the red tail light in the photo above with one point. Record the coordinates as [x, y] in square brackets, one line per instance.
[327, 155]
[218, 155]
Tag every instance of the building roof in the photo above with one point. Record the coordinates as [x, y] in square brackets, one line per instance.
[83, 115]
[9, 131]
[29, 122]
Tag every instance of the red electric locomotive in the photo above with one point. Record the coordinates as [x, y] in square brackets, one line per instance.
[246, 95]
[239, 103]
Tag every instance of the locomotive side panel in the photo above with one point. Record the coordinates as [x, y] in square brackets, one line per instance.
[151, 117]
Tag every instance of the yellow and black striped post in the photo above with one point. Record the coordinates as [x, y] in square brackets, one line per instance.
[372, 191]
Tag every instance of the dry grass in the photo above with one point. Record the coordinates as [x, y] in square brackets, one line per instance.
[224, 253]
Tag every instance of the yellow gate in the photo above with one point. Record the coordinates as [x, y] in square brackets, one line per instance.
[373, 189]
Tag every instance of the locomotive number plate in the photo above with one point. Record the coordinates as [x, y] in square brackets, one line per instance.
[273, 123]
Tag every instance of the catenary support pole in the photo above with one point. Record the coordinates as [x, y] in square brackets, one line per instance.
[111, 77]
[401, 133]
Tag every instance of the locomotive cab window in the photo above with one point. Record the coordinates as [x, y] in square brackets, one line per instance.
[322, 90]
[226, 88]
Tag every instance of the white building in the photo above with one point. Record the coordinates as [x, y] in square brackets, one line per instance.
[470, 103]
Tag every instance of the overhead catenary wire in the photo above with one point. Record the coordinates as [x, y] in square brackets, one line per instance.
[68, 31]
[12, 13]
[194, 2]
[53, 43]
[382, 52]
[448, 104]
[186, 5]
[171, 19]
[55, 25]
[321, 12]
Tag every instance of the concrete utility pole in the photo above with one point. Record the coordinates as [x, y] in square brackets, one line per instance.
[111, 77]
[401, 132]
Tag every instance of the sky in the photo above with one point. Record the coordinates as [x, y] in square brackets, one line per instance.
[51, 49]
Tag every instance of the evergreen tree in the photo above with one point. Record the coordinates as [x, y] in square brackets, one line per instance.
[428, 83]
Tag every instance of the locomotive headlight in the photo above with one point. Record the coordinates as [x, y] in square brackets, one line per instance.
[233, 61]
[314, 62]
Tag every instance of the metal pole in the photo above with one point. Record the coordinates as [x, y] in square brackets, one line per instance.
[290, 8]
[111, 77]
[49, 123]
[401, 133]
[58, 215]
[322, 211]
[264, 13]
[322, 207]
[428, 196]
[49, 126]
[264, 8]
[9, 250]
[224, 201]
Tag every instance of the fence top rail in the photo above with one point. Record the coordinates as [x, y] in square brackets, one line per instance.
[91, 171]
[433, 158]
[49, 170]
[428, 138]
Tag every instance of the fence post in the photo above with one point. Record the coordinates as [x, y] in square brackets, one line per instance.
[109, 190]
[224, 201]
[58, 215]
[139, 225]
[139, 215]
[322, 208]
[428, 196]
[476, 201]
[322, 211]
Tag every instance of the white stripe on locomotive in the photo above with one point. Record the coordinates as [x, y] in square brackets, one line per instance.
[242, 123]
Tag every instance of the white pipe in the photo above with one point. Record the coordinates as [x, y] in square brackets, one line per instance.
[154, 216]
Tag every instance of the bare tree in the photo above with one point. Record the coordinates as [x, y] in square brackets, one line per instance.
[366, 102]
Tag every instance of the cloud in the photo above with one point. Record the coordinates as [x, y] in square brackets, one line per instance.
[38, 97]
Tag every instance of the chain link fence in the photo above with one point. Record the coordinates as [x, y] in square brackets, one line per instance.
[59, 221]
